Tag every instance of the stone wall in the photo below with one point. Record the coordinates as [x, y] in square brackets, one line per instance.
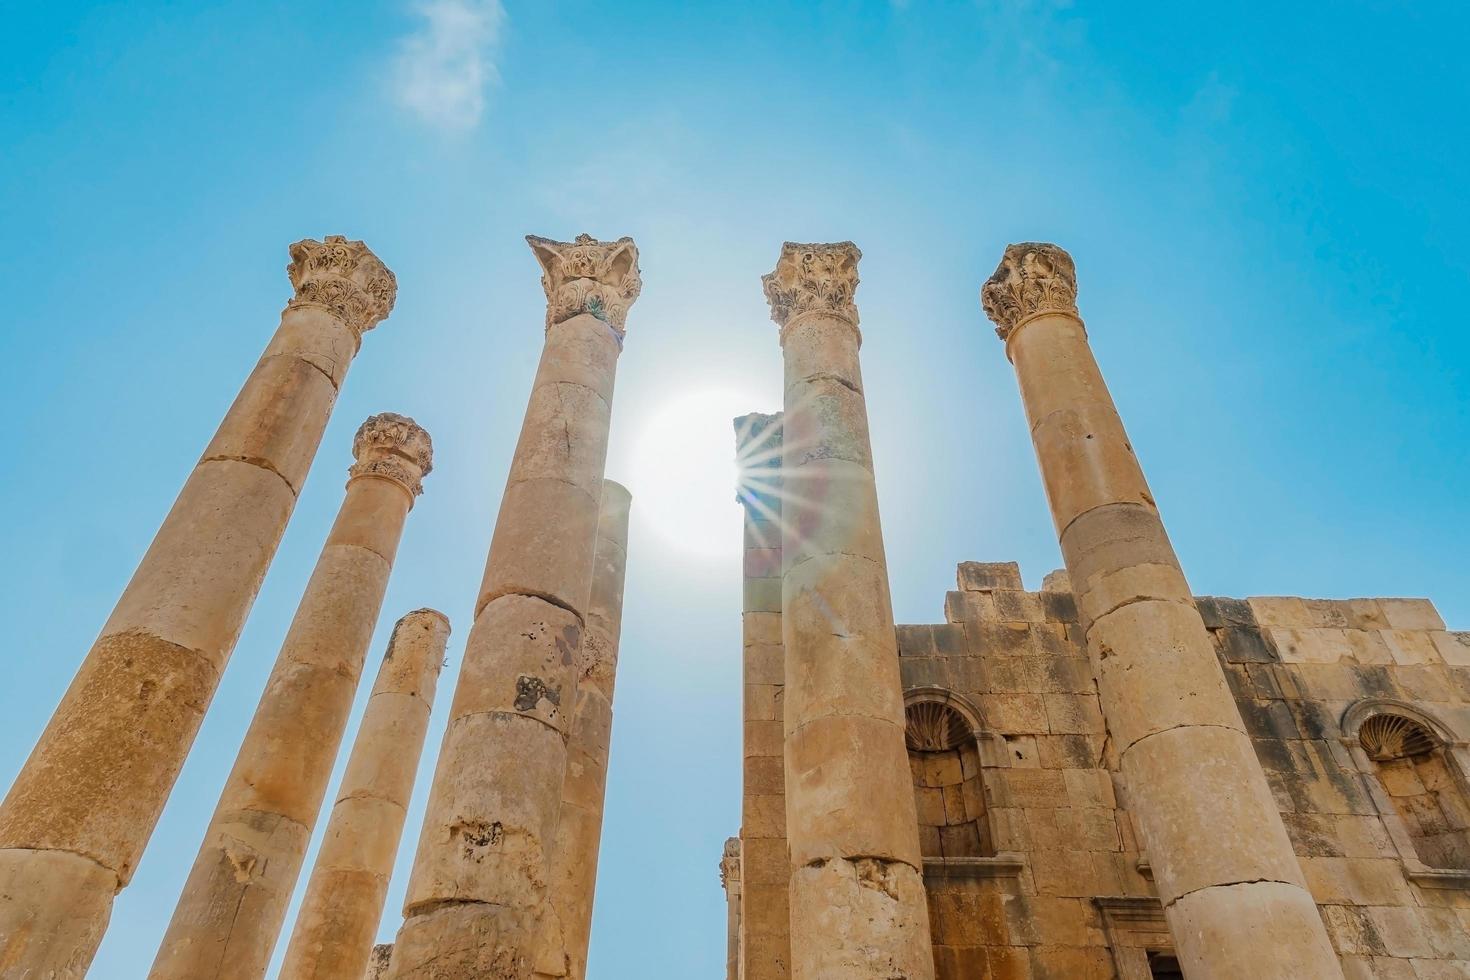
[1062, 887]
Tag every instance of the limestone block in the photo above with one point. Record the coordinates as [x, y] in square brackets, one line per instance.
[1411, 646]
[1454, 648]
[761, 627]
[580, 351]
[1311, 646]
[375, 763]
[241, 880]
[832, 509]
[1364, 614]
[303, 702]
[217, 541]
[1090, 461]
[54, 908]
[125, 725]
[490, 817]
[822, 346]
[1112, 537]
[1073, 714]
[835, 768]
[865, 912]
[1156, 670]
[828, 420]
[837, 629]
[967, 607]
[1289, 940]
[543, 543]
[1287, 611]
[988, 576]
[564, 437]
[1184, 779]
[317, 337]
[1018, 607]
[1016, 714]
[341, 942]
[1411, 614]
[372, 517]
[1368, 646]
[465, 939]
[364, 834]
[277, 419]
[520, 659]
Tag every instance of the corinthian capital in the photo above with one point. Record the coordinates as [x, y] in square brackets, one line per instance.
[394, 447]
[1033, 278]
[588, 276]
[730, 862]
[813, 279]
[344, 278]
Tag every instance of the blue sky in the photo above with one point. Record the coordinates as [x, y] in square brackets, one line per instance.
[1266, 206]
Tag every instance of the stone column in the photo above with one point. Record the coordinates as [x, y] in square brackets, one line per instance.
[1232, 890]
[730, 881]
[765, 877]
[233, 903]
[338, 918]
[579, 830]
[479, 878]
[82, 809]
[858, 908]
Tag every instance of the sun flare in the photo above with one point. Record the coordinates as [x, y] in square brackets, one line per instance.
[686, 474]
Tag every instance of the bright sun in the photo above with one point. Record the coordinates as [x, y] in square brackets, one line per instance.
[684, 472]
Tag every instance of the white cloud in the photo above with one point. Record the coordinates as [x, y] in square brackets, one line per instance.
[443, 68]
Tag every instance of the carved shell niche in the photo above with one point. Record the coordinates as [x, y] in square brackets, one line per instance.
[934, 727]
[1389, 737]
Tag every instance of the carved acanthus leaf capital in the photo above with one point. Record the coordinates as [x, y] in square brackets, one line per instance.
[588, 276]
[395, 447]
[1033, 278]
[344, 278]
[730, 862]
[814, 279]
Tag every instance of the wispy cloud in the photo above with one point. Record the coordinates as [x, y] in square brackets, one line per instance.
[442, 69]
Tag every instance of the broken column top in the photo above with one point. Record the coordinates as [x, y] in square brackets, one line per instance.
[394, 447]
[813, 278]
[344, 278]
[1033, 279]
[588, 276]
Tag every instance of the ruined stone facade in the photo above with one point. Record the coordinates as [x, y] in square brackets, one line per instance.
[1110, 777]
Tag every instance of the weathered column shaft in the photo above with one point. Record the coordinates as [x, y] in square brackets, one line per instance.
[858, 908]
[730, 881]
[82, 809]
[234, 900]
[579, 829]
[479, 878]
[765, 876]
[1231, 887]
[338, 918]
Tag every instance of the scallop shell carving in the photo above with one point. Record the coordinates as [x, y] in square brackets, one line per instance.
[1389, 737]
[934, 727]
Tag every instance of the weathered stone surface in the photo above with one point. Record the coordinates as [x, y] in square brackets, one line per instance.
[99, 776]
[573, 879]
[843, 706]
[1186, 758]
[233, 904]
[333, 935]
[478, 895]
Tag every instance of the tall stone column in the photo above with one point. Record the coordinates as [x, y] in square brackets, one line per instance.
[234, 900]
[579, 829]
[765, 877]
[479, 878]
[82, 809]
[858, 908]
[730, 881]
[1233, 893]
[338, 918]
